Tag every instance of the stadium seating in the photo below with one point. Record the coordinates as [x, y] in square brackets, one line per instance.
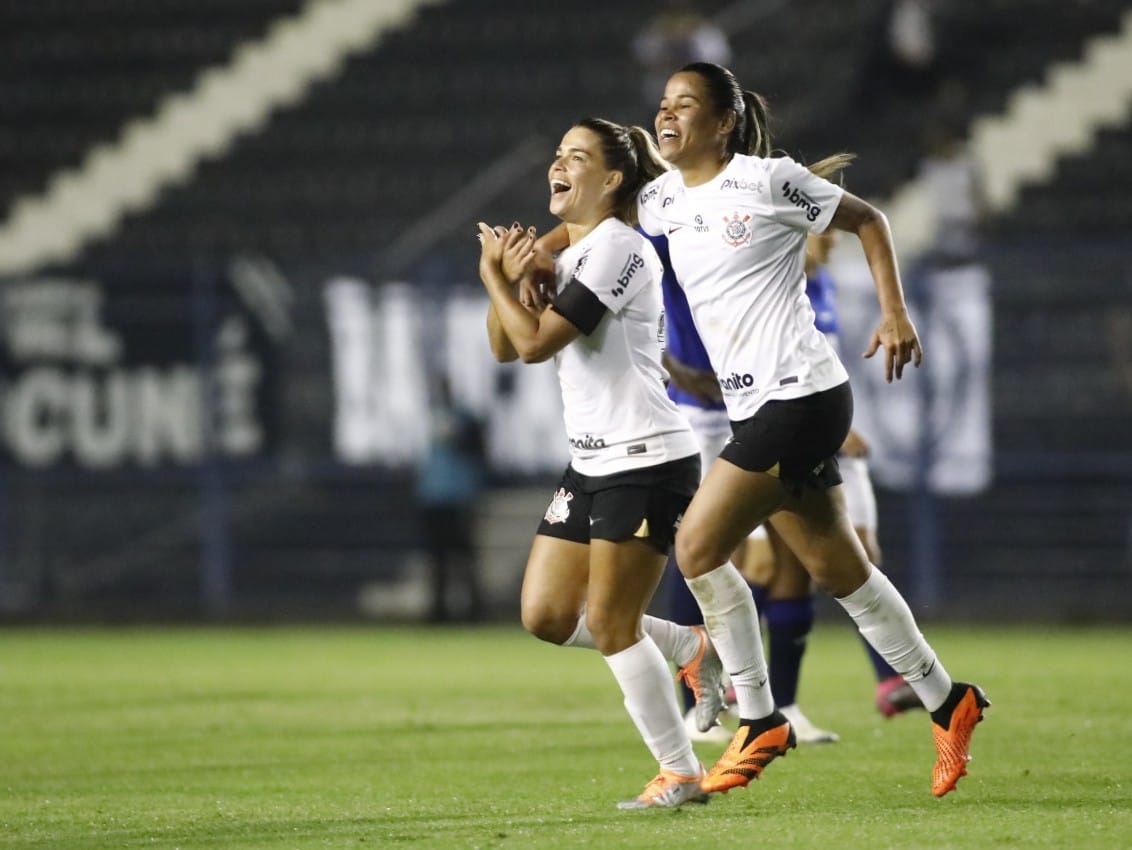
[330, 183]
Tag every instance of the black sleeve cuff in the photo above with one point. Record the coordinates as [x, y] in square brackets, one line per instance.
[579, 306]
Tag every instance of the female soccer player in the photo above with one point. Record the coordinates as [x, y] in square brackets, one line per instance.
[736, 220]
[601, 547]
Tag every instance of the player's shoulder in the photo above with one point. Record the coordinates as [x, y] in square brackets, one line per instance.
[616, 231]
[655, 189]
[771, 165]
[621, 235]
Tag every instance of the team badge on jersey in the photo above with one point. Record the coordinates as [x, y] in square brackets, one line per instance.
[559, 510]
[736, 231]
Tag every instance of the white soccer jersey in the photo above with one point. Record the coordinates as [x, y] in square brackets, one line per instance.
[617, 411]
[737, 245]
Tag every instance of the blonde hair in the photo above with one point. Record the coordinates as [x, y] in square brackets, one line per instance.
[832, 166]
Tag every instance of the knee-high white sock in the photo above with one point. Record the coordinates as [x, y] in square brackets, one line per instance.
[732, 622]
[679, 644]
[886, 622]
[650, 699]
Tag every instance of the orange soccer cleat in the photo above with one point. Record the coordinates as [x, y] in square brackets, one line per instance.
[952, 727]
[669, 790]
[749, 752]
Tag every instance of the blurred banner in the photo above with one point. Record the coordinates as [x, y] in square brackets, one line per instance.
[388, 341]
[117, 369]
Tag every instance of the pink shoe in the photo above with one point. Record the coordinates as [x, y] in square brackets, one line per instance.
[895, 696]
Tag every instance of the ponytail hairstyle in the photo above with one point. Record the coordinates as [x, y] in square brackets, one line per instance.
[631, 151]
[756, 123]
[832, 166]
[751, 134]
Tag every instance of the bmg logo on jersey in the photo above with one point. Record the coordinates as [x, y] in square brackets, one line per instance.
[801, 200]
[630, 268]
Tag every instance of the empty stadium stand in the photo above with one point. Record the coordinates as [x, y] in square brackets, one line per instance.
[368, 174]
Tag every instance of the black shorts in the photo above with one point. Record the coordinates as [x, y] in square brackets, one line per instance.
[645, 503]
[795, 439]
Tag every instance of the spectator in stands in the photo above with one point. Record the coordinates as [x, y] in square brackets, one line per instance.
[601, 547]
[677, 35]
[736, 220]
[450, 481]
[905, 58]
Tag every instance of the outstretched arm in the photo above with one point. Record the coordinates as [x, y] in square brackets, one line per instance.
[895, 333]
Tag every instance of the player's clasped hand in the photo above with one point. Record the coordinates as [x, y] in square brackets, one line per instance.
[511, 250]
[901, 345]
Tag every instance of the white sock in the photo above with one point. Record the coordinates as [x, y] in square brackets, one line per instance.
[650, 699]
[732, 622]
[886, 621]
[581, 637]
[679, 644]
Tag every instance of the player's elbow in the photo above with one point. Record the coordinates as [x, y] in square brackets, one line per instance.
[870, 217]
[504, 353]
[535, 353]
[858, 216]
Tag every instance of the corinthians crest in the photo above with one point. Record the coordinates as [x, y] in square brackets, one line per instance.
[736, 231]
[559, 508]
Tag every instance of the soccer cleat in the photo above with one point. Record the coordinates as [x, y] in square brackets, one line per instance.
[750, 752]
[804, 730]
[895, 696]
[961, 712]
[703, 674]
[669, 790]
[717, 734]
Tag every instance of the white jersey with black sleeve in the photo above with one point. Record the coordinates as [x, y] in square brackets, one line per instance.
[737, 245]
[618, 414]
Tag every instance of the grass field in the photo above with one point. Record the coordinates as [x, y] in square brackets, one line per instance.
[486, 738]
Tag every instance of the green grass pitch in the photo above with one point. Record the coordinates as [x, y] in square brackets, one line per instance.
[355, 737]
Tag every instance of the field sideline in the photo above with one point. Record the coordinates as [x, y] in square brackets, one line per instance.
[396, 737]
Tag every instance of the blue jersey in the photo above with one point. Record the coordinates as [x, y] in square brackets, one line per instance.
[681, 339]
[823, 298]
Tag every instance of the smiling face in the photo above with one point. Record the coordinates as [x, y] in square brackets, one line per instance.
[581, 187]
[687, 130]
